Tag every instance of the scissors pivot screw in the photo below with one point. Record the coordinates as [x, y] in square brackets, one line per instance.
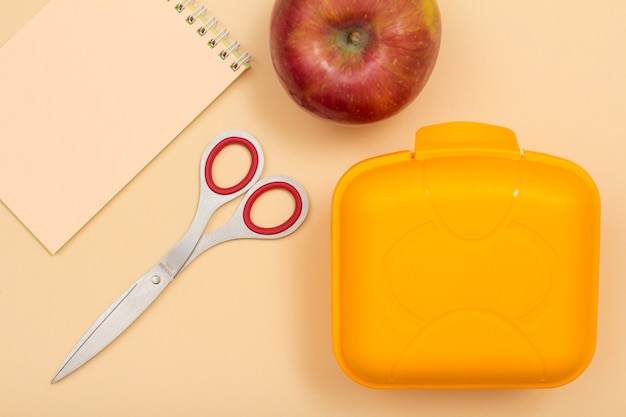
[156, 280]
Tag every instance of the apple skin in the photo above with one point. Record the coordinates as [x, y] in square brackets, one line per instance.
[354, 61]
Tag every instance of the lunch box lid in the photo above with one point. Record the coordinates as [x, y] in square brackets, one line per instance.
[467, 263]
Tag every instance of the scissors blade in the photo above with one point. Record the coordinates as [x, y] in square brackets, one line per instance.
[121, 314]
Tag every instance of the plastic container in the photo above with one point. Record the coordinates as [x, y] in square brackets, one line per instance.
[466, 264]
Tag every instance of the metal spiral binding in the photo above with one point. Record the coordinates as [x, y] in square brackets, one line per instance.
[209, 25]
[222, 35]
[242, 60]
[200, 11]
[181, 6]
[232, 47]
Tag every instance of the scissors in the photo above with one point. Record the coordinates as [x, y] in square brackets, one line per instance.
[130, 305]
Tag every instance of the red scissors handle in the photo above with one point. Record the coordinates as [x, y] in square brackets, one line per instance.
[255, 194]
[215, 151]
[241, 225]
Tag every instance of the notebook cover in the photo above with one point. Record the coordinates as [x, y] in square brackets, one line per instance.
[91, 92]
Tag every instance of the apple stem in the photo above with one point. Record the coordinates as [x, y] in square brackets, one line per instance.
[354, 38]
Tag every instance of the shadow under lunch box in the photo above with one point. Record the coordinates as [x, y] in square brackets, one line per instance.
[465, 264]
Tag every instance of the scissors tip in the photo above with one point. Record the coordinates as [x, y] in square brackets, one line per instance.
[56, 379]
[61, 373]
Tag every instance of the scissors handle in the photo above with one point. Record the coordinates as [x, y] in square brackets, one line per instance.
[211, 152]
[273, 183]
[229, 138]
[242, 226]
[213, 196]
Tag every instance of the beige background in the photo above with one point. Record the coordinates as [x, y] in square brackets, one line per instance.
[246, 329]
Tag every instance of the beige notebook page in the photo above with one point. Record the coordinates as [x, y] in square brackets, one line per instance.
[91, 92]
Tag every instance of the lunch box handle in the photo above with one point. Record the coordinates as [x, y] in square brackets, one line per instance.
[465, 137]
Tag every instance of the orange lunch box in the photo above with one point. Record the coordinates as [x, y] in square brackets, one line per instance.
[465, 264]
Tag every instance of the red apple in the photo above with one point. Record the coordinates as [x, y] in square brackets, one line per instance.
[354, 61]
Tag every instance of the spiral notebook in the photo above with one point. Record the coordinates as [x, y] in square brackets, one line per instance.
[91, 92]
